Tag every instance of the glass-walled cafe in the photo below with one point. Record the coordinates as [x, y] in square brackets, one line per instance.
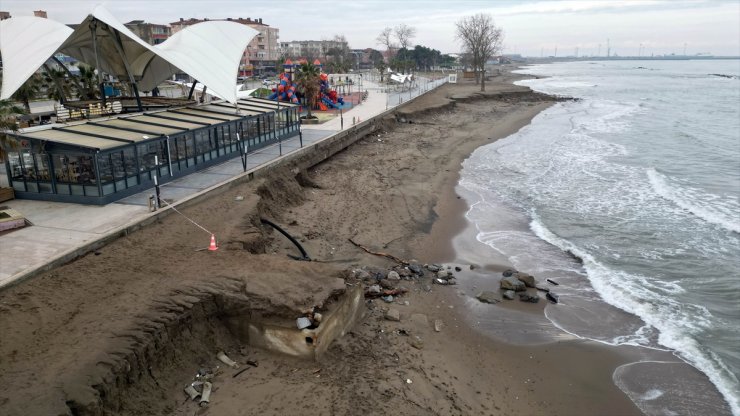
[98, 162]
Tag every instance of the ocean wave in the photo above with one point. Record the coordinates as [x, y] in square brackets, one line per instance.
[676, 322]
[710, 208]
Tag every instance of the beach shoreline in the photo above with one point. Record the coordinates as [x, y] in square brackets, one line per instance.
[71, 334]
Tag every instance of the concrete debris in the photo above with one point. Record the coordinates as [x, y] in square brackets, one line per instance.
[205, 397]
[303, 322]
[393, 315]
[192, 392]
[416, 342]
[226, 360]
[438, 325]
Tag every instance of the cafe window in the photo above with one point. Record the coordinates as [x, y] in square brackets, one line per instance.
[129, 166]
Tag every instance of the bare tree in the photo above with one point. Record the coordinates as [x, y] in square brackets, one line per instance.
[404, 33]
[385, 38]
[482, 39]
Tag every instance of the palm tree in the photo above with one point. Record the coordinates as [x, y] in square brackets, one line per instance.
[86, 89]
[8, 113]
[307, 78]
[58, 86]
[28, 91]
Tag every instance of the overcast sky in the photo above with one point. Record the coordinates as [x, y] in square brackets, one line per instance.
[531, 27]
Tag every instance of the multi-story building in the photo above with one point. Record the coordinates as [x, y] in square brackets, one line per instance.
[261, 55]
[151, 33]
[40, 13]
[312, 49]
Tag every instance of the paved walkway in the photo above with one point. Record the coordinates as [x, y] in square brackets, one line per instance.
[62, 228]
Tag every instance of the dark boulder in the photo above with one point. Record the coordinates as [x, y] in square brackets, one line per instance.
[512, 283]
[526, 297]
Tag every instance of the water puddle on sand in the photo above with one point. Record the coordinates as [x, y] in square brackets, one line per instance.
[669, 388]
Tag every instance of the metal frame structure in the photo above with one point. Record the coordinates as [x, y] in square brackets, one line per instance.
[101, 161]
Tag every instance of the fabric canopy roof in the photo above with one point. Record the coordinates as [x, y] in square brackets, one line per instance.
[209, 52]
[26, 43]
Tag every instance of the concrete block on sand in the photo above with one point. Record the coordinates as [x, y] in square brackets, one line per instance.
[393, 315]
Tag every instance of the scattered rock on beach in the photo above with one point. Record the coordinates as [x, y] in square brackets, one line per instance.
[509, 294]
[392, 275]
[387, 284]
[362, 275]
[416, 342]
[525, 278]
[542, 288]
[512, 283]
[434, 268]
[438, 325]
[393, 315]
[489, 297]
[526, 297]
[552, 297]
[416, 269]
[509, 272]
[442, 274]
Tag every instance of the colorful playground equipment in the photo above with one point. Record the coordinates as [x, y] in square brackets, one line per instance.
[328, 98]
[286, 90]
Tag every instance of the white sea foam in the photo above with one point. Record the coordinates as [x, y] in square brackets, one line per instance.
[651, 394]
[708, 207]
[676, 322]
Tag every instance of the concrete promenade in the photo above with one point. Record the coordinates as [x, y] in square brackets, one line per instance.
[61, 231]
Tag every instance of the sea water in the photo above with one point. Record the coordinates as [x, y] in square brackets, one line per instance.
[639, 178]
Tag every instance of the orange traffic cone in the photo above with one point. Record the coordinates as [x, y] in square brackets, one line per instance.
[213, 246]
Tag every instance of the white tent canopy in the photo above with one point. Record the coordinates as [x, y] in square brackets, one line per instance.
[209, 52]
[26, 43]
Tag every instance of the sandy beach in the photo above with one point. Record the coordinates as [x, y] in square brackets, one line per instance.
[123, 330]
